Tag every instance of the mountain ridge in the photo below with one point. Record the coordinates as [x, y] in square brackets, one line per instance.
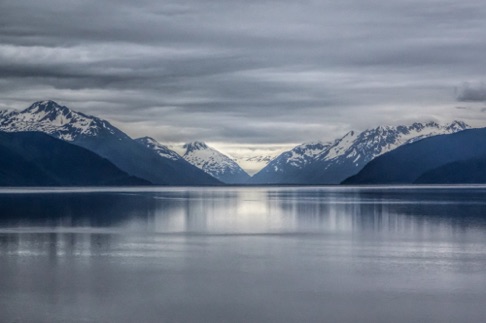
[347, 155]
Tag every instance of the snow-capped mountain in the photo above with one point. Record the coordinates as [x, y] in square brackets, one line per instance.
[161, 150]
[347, 155]
[290, 163]
[54, 119]
[104, 139]
[214, 163]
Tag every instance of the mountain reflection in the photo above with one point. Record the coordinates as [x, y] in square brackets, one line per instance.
[249, 210]
[89, 224]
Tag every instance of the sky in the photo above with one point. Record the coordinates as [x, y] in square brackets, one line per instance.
[247, 75]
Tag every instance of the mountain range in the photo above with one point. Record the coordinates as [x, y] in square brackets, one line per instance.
[333, 162]
[196, 163]
[102, 138]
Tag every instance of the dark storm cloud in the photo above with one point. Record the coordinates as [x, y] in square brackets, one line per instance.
[472, 93]
[245, 72]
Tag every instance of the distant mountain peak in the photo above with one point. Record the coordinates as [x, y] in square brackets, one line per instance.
[214, 163]
[195, 145]
[47, 105]
[50, 111]
[57, 120]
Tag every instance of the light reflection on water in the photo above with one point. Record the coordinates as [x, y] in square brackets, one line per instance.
[243, 254]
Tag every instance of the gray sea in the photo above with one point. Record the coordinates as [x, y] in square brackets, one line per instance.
[251, 254]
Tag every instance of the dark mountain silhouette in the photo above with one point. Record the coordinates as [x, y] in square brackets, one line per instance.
[37, 159]
[470, 171]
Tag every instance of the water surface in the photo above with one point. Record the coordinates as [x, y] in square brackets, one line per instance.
[329, 254]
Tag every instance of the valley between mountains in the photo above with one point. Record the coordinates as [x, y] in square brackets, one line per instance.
[48, 144]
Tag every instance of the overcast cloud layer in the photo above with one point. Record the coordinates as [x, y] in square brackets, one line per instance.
[247, 72]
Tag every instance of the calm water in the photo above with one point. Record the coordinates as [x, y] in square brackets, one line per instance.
[244, 255]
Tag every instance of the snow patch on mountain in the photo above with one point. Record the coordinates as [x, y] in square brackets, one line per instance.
[299, 156]
[161, 150]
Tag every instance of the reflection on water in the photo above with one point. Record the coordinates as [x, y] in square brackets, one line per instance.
[250, 210]
[243, 254]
